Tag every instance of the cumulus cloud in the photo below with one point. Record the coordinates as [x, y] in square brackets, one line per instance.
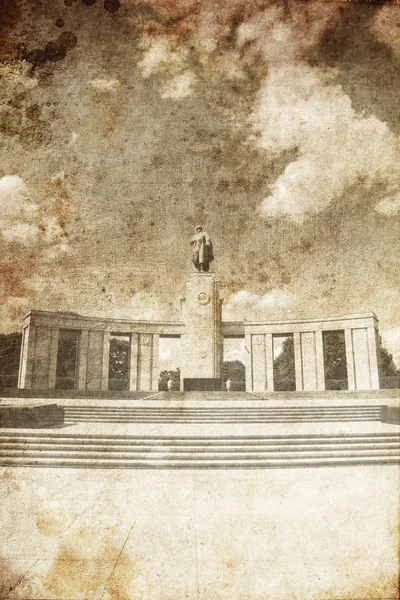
[389, 206]
[162, 55]
[301, 108]
[179, 87]
[21, 221]
[234, 349]
[246, 305]
[17, 211]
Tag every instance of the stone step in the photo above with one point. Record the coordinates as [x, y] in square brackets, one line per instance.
[74, 450]
[54, 436]
[223, 408]
[82, 452]
[211, 419]
[195, 463]
[178, 446]
[105, 414]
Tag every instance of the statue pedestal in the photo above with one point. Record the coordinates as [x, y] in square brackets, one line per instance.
[202, 342]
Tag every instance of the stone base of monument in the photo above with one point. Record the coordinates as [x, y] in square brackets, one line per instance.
[45, 415]
[390, 414]
[196, 384]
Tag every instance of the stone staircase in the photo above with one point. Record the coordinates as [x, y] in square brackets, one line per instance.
[219, 414]
[58, 449]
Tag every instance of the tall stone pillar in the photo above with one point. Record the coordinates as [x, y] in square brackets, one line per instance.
[351, 379]
[133, 366]
[269, 356]
[27, 360]
[298, 361]
[94, 362]
[258, 357]
[53, 357]
[202, 343]
[319, 349]
[373, 342]
[155, 365]
[105, 360]
[248, 363]
[82, 359]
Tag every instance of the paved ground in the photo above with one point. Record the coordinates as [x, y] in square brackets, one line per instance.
[295, 534]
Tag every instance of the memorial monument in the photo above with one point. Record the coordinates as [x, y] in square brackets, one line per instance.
[202, 342]
[70, 351]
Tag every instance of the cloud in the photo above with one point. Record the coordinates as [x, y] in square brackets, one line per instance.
[17, 210]
[302, 108]
[389, 206]
[391, 341]
[22, 223]
[105, 85]
[245, 305]
[20, 217]
[179, 87]
[234, 349]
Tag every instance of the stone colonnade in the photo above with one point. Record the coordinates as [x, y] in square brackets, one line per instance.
[39, 350]
[42, 330]
[361, 342]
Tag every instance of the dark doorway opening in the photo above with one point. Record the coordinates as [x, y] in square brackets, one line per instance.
[118, 367]
[335, 364]
[67, 359]
[284, 368]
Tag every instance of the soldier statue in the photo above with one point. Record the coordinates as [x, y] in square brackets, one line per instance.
[202, 250]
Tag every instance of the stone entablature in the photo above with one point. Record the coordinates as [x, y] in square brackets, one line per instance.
[74, 321]
[239, 328]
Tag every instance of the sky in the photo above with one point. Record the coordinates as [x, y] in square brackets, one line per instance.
[275, 125]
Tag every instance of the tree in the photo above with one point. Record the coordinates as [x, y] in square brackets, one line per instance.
[236, 372]
[165, 376]
[335, 355]
[284, 369]
[10, 349]
[386, 362]
[119, 364]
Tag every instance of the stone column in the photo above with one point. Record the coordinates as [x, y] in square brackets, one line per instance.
[373, 357]
[309, 360]
[269, 361]
[133, 365]
[145, 362]
[351, 380]
[94, 363]
[361, 359]
[53, 357]
[258, 357]
[105, 360]
[298, 361]
[83, 357]
[248, 363]
[25, 380]
[155, 362]
[42, 358]
[319, 349]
